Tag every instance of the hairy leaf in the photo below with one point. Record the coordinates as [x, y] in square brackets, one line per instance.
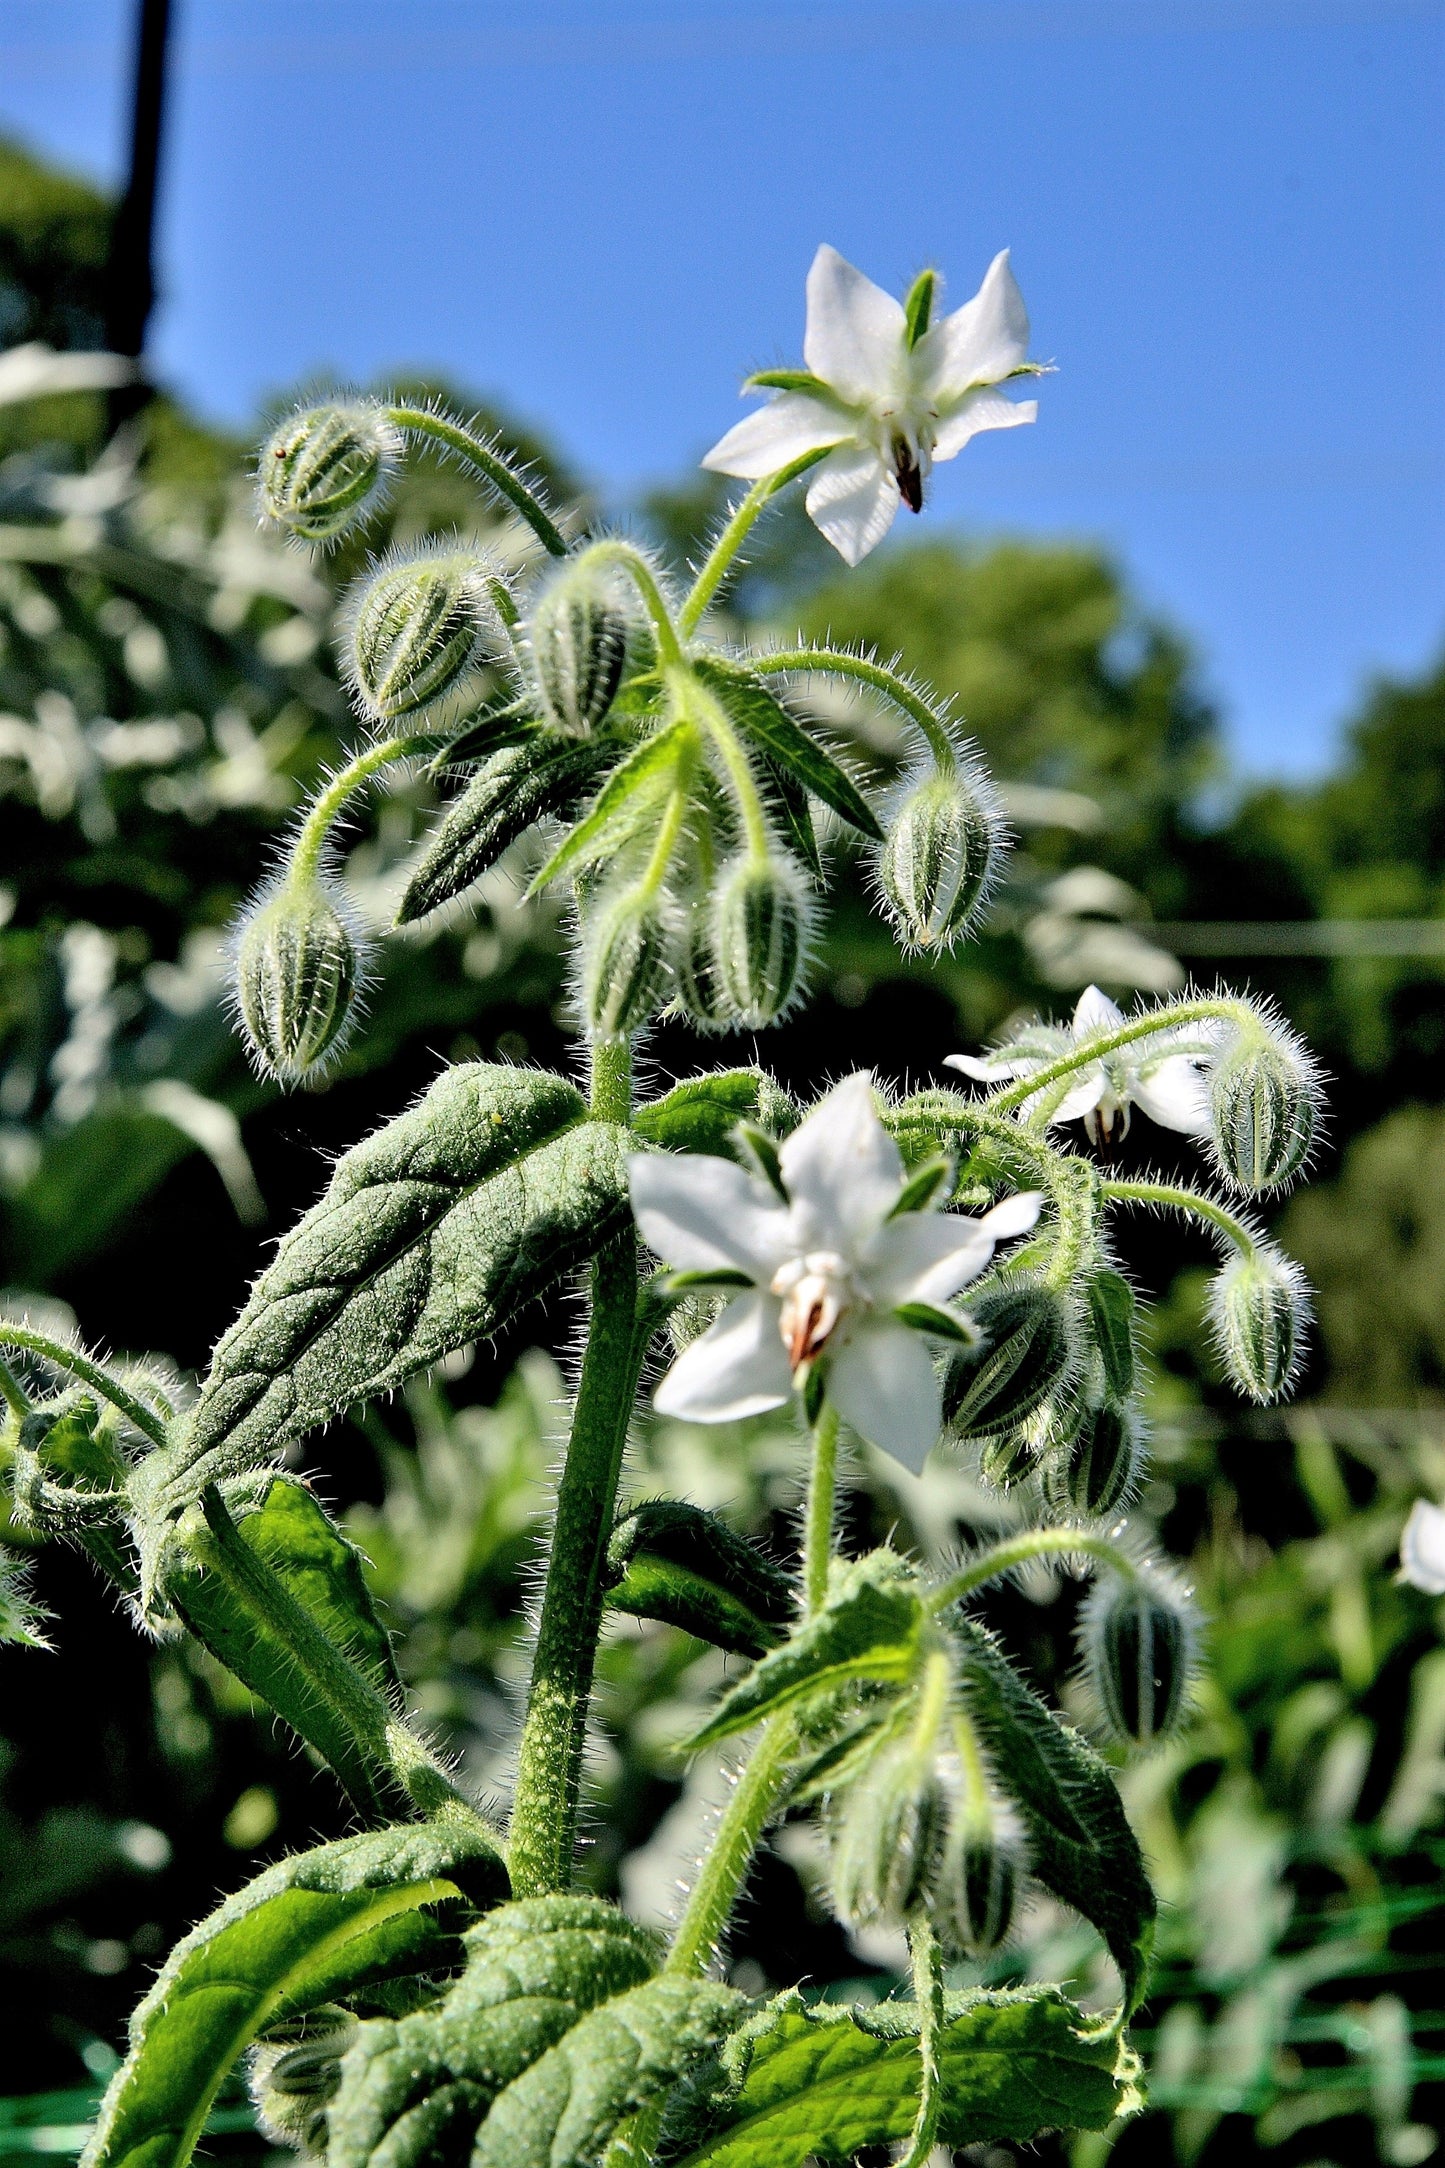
[700, 1114]
[766, 721]
[307, 1931]
[823, 2083]
[517, 786]
[634, 783]
[789, 803]
[1080, 1844]
[433, 1232]
[671, 1561]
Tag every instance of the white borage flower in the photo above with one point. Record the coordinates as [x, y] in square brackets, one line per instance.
[827, 1269]
[1165, 1075]
[883, 395]
[1422, 1548]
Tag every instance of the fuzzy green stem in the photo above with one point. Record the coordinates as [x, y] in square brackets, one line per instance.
[80, 1366]
[478, 454]
[640, 572]
[926, 1964]
[1238, 1013]
[721, 556]
[722, 1874]
[739, 769]
[1016, 1551]
[13, 1392]
[306, 851]
[837, 662]
[819, 1512]
[1177, 1198]
[549, 1771]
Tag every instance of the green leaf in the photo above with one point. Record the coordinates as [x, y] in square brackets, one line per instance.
[517, 786]
[433, 1232]
[672, 1561]
[1111, 1310]
[701, 1114]
[791, 808]
[826, 2082]
[645, 775]
[869, 1629]
[1080, 1844]
[305, 1932]
[754, 709]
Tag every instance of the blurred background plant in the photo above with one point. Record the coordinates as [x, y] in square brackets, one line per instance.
[167, 695]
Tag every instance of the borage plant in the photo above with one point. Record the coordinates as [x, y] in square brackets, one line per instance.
[930, 1268]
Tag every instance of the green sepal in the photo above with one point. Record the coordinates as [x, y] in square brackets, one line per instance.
[943, 1324]
[759, 1153]
[635, 782]
[1111, 1312]
[310, 1930]
[674, 1285]
[749, 703]
[918, 306]
[511, 724]
[932, 1179]
[1079, 1841]
[700, 1114]
[518, 785]
[869, 1630]
[803, 2081]
[815, 1391]
[789, 380]
[672, 1561]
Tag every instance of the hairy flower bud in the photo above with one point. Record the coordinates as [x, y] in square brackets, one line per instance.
[1025, 1347]
[294, 2074]
[415, 630]
[940, 856]
[1097, 1471]
[983, 1867]
[1263, 1098]
[325, 468]
[300, 962]
[1258, 1310]
[890, 1838]
[578, 636]
[1009, 1459]
[626, 962]
[1139, 1637]
[701, 996]
[762, 930]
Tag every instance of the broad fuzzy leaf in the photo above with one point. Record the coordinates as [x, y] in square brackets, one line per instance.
[307, 1931]
[764, 719]
[825, 2082]
[517, 786]
[671, 1561]
[700, 1114]
[433, 1232]
[1080, 1844]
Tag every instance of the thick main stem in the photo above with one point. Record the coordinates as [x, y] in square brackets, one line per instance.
[549, 1772]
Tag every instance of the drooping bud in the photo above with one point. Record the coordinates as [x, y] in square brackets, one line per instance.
[415, 630]
[890, 1840]
[626, 962]
[701, 994]
[300, 962]
[1139, 1637]
[761, 934]
[1258, 1310]
[983, 1868]
[1097, 1471]
[940, 857]
[578, 634]
[1024, 1350]
[1264, 1095]
[295, 2073]
[326, 468]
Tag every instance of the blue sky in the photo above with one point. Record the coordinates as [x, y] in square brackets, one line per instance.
[1226, 218]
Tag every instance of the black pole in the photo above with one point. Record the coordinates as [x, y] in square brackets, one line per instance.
[130, 273]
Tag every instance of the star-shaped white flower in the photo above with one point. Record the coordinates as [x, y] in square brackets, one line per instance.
[1166, 1075]
[822, 1274]
[888, 403]
[1422, 1548]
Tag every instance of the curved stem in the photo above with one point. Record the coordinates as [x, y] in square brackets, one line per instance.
[836, 662]
[311, 837]
[720, 557]
[80, 1366]
[1177, 1198]
[644, 580]
[1097, 1045]
[718, 725]
[12, 1392]
[478, 454]
[818, 1516]
[1015, 1551]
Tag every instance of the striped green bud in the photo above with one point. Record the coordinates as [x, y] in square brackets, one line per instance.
[890, 1839]
[626, 962]
[326, 468]
[1139, 1637]
[1258, 1311]
[578, 637]
[1098, 1470]
[701, 994]
[940, 857]
[1264, 1096]
[1025, 1349]
[416, 629]
[1008, 1460]
[300, 963]
[762, 932]
[983, 1869]
[294, 2074]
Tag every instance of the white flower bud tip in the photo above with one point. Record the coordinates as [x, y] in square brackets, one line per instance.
[939, 860]
[578, 636]
[1264, 1100]
[415, 629]
[326, 468]
[763, 922]
[300, 963]
[1259, 1309]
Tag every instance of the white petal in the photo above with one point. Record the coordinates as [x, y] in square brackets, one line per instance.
[853, 500]
[1084, 1095]
[882, 1382]
[1015, 1216]
[701, 1214]
[924, 1257]
[1096, 1012]
[777, 434]
[981, 410]
[842, 1169]
[1422, 1548]
[979, 343]
[856, 332]
[738, 1367]
[1174, 1094]
[992, 1069]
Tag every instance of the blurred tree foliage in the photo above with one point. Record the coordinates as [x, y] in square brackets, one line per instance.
[167, 696]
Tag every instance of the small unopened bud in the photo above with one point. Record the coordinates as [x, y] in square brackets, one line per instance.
[416, 629]
[983, 1867]
[1008, 1460]
[1258, 1310]
[890, 1840]
[626, 962]
[300, 962]
[1139, 1638]
[324, 469]
[700, 991]
[940, 857]
[1097, 1471]
[1025, 1348]
[578, 635]
[762, 932]
[294, 2074]
[1264, 1096]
